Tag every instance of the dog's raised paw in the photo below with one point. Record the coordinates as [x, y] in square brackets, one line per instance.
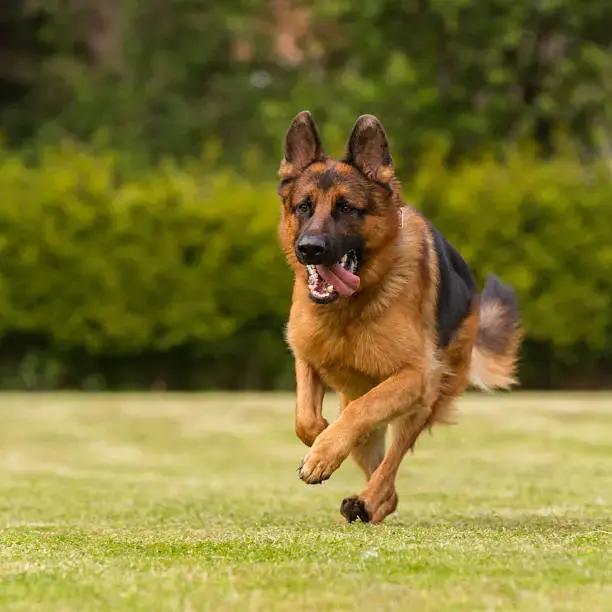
[317, 466]
[312, 476]
[353, 508]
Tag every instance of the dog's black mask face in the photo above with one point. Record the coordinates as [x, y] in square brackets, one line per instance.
[331, 207]
[329, 212]
[329, 223]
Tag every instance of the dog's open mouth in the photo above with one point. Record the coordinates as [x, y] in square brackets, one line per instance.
[326, 283]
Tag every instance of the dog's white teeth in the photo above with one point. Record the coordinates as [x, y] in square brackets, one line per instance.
[329, 288]
[344, 259]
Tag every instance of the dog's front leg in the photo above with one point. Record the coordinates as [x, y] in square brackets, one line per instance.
[396, 395]
[309, 421]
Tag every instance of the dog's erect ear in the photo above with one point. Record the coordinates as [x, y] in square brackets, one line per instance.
[302, 146]
[368, 150]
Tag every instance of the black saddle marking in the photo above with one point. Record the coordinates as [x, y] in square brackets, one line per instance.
[456, 288]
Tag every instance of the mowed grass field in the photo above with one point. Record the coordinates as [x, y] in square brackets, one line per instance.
[192, 502]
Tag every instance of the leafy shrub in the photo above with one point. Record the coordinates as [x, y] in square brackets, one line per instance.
[543, 226]
[104, 273]
[109, 264]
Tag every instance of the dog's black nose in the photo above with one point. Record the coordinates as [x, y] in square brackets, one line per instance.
[311, 249]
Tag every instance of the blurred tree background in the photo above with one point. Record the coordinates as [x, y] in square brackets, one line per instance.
[139, 143]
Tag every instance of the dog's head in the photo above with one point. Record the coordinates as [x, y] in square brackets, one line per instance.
[337, 214]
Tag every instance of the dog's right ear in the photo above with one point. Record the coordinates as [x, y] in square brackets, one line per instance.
[302, 147]
[368, 150]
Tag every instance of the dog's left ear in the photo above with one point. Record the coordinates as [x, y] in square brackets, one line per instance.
[302, 147]
[368, 150]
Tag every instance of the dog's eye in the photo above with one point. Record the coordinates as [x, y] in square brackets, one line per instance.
[304, 207]
[345, 207]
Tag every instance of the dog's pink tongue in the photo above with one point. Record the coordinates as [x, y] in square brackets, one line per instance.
[343, 281]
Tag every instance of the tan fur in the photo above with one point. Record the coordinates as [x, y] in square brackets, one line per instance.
[489, 370]
[378, 349]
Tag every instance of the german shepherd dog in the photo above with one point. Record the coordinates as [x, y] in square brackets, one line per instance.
[384, 311]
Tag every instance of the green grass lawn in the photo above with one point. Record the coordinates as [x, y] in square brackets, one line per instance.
[192, 502]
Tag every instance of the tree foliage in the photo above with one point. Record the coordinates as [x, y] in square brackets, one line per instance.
[159, 78]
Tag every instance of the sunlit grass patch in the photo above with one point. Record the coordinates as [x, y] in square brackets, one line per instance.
[192, 502]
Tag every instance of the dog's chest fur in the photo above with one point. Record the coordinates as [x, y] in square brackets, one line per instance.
[353, 355]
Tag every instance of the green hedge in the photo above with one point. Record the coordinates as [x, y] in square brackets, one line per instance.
[175, 276]
[544, 226]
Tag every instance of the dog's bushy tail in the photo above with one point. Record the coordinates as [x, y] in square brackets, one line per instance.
[495, 352]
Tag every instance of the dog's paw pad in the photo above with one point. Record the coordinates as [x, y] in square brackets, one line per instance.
[353, 508]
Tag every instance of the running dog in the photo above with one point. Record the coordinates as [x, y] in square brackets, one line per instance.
[384, 311]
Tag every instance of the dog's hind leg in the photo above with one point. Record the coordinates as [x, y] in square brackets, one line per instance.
[379, 497]
[369, 452]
